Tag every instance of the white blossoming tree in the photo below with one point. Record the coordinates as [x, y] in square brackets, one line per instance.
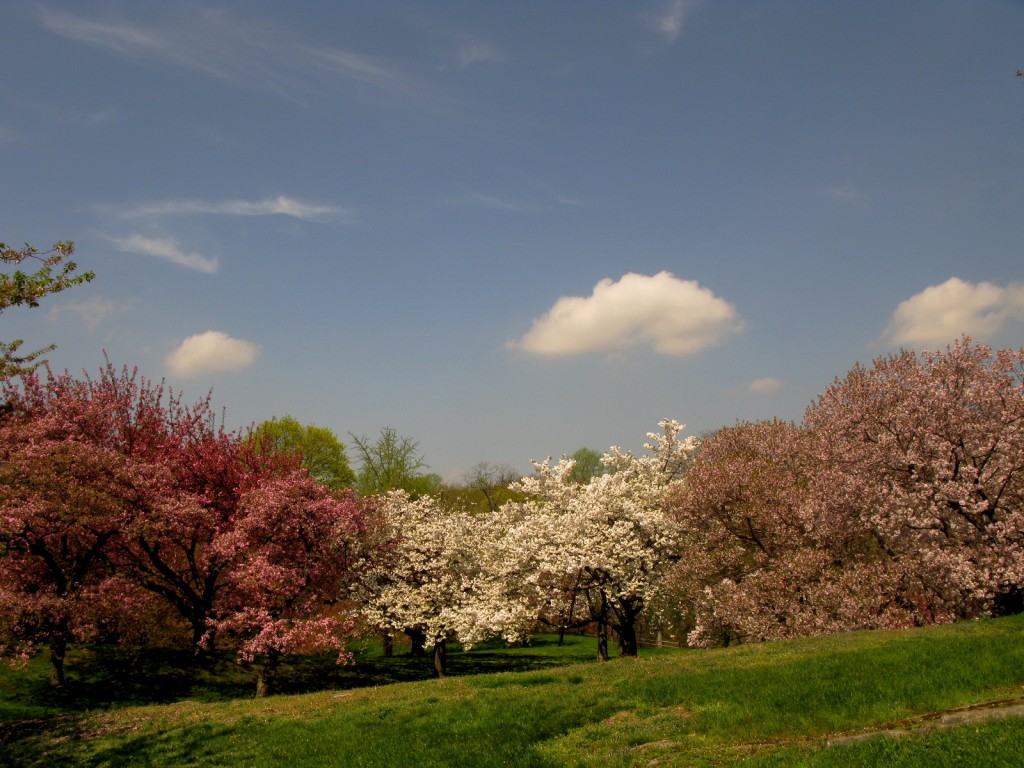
[570, 554]
[427, 585]
[597, 551]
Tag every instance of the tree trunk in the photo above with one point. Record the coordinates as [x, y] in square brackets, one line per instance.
[266, 678]
[627, 639]
[441, 658]
[204, 637]
[389, 645]
[565, 620]
[626, 613]
[418, 640]
[58, 649]
[602, 629]
[602, 639]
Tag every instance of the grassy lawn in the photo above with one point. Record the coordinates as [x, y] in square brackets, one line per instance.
[776, 704]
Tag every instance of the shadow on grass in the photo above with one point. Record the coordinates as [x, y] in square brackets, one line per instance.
[64, 740]
[102, 678]
[306, 674]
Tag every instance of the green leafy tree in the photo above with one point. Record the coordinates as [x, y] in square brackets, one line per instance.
[588, 465]
[20, 288]
[323, 454]
[391, 463]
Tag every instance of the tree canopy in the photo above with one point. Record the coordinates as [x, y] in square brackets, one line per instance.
[898, 502]
[323, 454]
[21, 288]
[390, 463]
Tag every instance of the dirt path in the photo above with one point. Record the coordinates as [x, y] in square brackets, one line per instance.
[944, 719]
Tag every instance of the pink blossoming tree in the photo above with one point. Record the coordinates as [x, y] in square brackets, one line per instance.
[899, 502]
[295, 551]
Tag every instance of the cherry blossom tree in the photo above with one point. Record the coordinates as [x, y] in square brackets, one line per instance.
[601, 547]
[172, 550]
[568, 553]
[739, 513]
[428, 582]
[296, 549]
[897, 503]
[113, 492]
[761, 559]
[77, 466]
[928, 450]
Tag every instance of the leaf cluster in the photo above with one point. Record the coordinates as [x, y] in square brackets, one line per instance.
[55, 273]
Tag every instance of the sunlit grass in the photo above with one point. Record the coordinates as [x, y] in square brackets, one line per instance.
[774, 704]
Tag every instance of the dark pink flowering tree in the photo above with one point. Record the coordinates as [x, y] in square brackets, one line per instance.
[295, 550]
[172, 551]
[114, 493]
[76, 468]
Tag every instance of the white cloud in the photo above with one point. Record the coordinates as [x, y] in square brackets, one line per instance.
[478, 51]
[211, 352]
[280, 205]
[676, 317]
[480, 200]
[573, 202]
[93, 312]
[765, 386]
[668, 23]
[242, 52]
[940, 314]
[165, 248]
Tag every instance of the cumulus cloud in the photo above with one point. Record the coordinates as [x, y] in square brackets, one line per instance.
[211, 352]
[765, 386]
[168, 249]
[942, 313]
[675, 317]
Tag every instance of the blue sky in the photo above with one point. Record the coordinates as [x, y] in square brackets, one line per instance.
[509, 230]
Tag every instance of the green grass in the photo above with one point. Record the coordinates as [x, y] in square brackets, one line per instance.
[775, 704]
[993, 744]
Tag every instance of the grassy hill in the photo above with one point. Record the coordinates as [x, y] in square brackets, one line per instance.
[817, 702]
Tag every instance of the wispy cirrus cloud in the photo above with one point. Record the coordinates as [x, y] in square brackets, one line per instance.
[675, 317]
[278, 206]
[478, 52]
[168, 249]
[152, 217]
[92, 312]
[240, 51]
[481, 200]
